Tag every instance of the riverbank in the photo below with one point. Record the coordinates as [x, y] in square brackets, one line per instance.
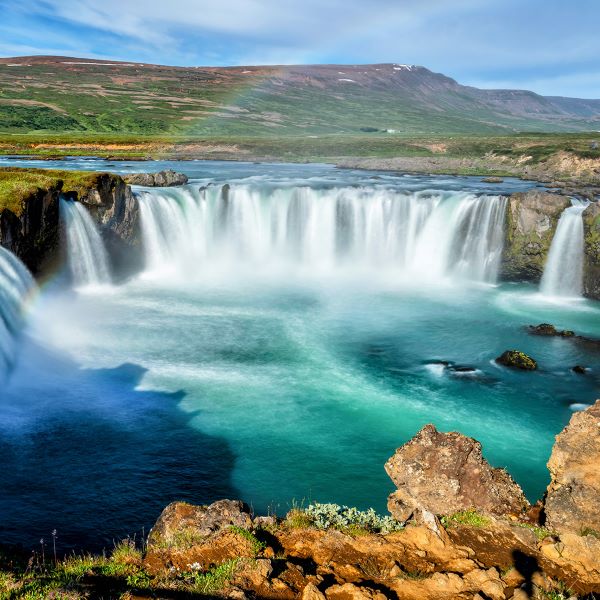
[567, 158]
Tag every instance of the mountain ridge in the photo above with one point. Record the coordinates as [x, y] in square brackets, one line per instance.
[60, 93]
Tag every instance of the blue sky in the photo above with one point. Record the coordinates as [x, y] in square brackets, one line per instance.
[549, 46]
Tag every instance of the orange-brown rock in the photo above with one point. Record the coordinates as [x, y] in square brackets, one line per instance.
[444, 473]
[573, 499]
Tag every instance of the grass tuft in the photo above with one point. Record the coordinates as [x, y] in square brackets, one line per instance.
[465, 517]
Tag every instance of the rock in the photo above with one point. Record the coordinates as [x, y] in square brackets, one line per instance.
[516, 359]
[167, 178]
[180, 519]
[579, 370]
[492, 180]
[265, 522]
[591, 263]
[312, 592]
[444, 473]
[349, 591]
[531, 220]
[546, 329]
[573, 495]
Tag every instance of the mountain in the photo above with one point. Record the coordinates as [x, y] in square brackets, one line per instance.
[50, 94]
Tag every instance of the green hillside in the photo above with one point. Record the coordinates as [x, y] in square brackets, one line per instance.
[63, 95]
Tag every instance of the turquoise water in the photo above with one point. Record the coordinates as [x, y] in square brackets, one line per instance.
[271, 389]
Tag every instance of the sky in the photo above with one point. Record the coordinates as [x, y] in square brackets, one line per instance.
[549, 46]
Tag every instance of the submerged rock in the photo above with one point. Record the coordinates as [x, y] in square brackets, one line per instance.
[549, 330]
[168, 178]
[444, 473]
[579, 370]
[492, 180]
[516, 359]
[573, 495]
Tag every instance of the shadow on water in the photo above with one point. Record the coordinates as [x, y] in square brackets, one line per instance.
[96, 459]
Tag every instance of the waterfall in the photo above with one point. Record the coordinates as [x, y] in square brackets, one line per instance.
[87, 257]
[563, 272]
[15, 284]
[425, 235]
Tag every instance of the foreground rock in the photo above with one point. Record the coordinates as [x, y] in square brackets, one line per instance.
[444, 473]
[497, 553]
[516, 359]
[167, 178]
[531, 220]
[573, 498]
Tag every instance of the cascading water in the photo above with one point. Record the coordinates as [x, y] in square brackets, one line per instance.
[87, 257]
[563, 272]
[425, 235]
[15, 283]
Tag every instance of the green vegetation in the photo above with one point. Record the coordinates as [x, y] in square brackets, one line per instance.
[255, 543]
[589, 531]
[216, 578]
[541, 533]
[465, 517]
[116, 576]
[18, 184]
[347, 519]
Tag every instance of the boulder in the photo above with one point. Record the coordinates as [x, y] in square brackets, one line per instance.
[492, 180]
[579, 370]
[516, 359]
[573, 495]
[168, 178]
[444, 473]
[182, 520]
[531, 220]
[546, 329]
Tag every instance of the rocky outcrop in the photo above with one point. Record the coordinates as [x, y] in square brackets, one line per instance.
[497, 553]
[591, 265]
[573, 495]
[531, 220]
[444, 473]
[515, 359]
[167, 178]
[35, 236]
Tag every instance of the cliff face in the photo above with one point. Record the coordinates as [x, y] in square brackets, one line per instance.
[531, 220]
[34, 236]
[591, 269]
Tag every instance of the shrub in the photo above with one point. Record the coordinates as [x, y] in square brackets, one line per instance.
[334, 516]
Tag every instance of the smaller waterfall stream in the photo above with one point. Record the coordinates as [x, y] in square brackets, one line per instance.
[563, 273]
[15, 283]
[87, 257]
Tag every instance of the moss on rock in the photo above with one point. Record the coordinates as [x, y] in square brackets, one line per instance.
[517, 360]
